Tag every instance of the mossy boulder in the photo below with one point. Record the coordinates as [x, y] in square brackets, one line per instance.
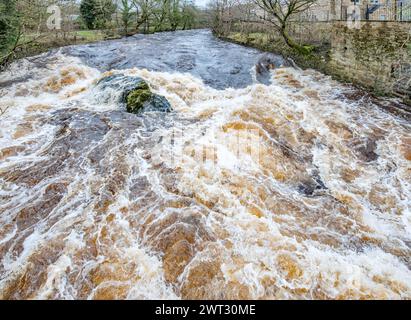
[137, 97]
[141, 98]
[135, 93]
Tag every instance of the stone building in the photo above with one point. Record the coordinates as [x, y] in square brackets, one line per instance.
[322, 10]
[381, 10]
[388, 10]
[375, 10]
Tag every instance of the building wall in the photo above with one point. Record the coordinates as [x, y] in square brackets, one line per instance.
[330, 10]
[322, 10]
[377, 55]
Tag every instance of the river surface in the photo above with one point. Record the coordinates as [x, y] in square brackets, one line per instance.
[300, 189]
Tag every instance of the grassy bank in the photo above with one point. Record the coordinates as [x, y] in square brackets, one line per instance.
[34, 44]
[317, 59]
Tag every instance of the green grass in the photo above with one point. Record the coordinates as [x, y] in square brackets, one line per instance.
[90, 35]
[51, 37]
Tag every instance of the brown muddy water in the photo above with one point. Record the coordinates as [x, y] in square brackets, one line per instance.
[291, 190]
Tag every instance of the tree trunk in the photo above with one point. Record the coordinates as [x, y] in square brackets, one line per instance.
[291, 43]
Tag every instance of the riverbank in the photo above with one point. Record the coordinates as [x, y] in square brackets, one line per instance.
[35, 44]
[375, 58]
[316, 60]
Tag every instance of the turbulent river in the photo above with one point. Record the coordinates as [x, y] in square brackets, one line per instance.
[300, 189]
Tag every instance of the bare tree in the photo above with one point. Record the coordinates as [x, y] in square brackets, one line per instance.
[223, 17]
[280, 13]
[144, 10]
[174, 14]
[188, 14]
[160, 14]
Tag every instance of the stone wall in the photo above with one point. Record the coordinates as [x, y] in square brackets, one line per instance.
[317, 33]
[376, 56]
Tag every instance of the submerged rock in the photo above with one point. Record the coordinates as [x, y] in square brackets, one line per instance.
[365, 149]
[135, 93]
[312, 186]
[267, 62]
